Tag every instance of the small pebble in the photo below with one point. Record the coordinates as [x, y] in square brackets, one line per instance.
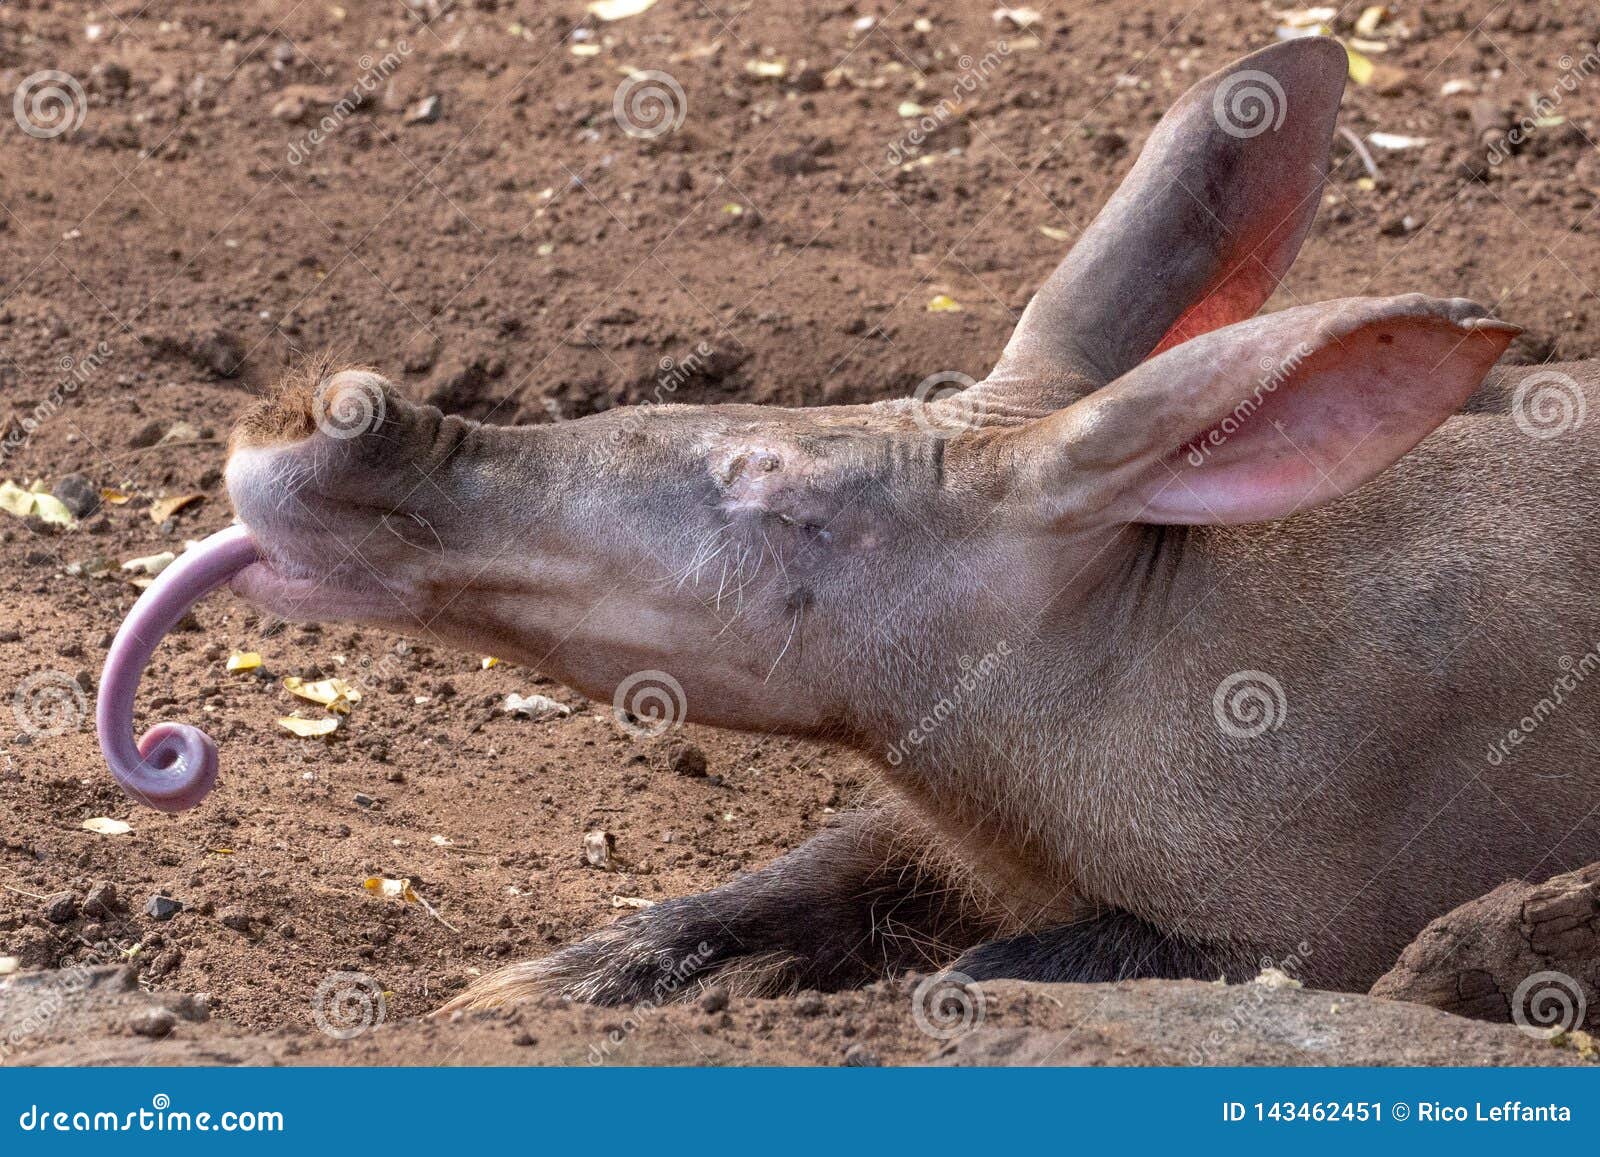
[153, 1022]
[60, 908]
[162, 907]
[714, 999]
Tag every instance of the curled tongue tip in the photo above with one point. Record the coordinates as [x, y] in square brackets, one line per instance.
[174, 766]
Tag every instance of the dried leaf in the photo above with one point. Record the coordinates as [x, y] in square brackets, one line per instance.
[106, 826]
[1016, 17]
[1308, 17]
[34, 504]
[631, 902]
[390, 888]
[244, 660]
[535, 707]
[150, 564]
[1055, 234]
[944, 303]
[308, 728]
[767, 69]
[1395, 141]
[1367, 23]
[490, 661]
[334, 694]
[114, 497]
[609, 10]
[584, 49]
[165, 508]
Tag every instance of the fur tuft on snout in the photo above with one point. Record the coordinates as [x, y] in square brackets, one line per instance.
[288, 413]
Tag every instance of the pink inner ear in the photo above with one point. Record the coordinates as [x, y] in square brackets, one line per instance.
[1320, 422]
[1257, 261]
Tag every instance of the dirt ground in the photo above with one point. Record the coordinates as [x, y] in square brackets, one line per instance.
[482, 229]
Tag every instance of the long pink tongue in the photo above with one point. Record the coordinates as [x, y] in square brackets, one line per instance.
[174, 766]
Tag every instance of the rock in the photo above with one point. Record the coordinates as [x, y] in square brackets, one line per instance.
[859, 1056]
[687, 759]
[77, 494]
[155, 1023]
[109, 78]
[524, 1039]
[60, 908]
[1524, 953]
[810, 1004]
[598, 847]
[714, 999]
[426, 111]
[147, 435]
[1109, 143]
[101, 900]
[220, 352]
[236, 919]
[162, 908]
[420, 352]
[291, 108]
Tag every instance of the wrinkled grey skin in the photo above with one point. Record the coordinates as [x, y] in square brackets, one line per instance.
[1026, 600]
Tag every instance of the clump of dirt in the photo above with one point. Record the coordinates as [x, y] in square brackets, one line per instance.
[229, 188]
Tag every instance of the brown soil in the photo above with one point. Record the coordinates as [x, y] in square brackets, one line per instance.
[523, 259]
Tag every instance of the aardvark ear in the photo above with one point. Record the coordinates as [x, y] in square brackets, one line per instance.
[1199, 233]
[1265, 418]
